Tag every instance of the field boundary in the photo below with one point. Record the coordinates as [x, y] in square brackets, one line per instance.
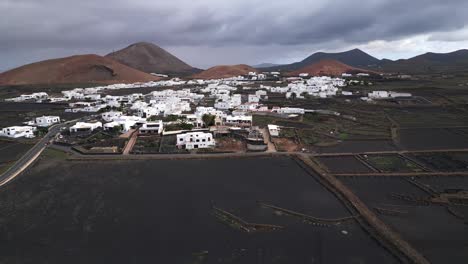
[383, 231]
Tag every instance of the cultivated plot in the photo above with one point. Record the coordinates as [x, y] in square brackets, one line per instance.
[438, 230]
[266, 210]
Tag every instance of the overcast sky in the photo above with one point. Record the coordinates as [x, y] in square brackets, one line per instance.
[211, 32]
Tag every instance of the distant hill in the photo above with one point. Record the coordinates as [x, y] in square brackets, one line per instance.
[265, 65]
[74, 70]
[428, 63]
[354, 58]
[150, 58]
[224, 71]
[327, 67]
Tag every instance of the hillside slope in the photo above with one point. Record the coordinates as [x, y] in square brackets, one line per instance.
[224, 71]
[327, 67]
[74, 70]
[150, 58]
[428, 63]
[355, 58]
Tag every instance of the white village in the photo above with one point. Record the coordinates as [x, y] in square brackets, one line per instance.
[178, 107]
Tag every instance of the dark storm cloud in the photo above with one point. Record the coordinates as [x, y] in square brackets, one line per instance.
[41, 28]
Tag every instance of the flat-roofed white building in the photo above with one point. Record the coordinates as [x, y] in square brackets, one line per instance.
[240, 120]
[25, 97]
[155, 127]
[46, 121]
[273, 130]
[378, 94]
[18, 132]
[110, 116]
[125, 122]
[253, 98]
[83, 126]
[193, 119]
[248, 107]
[291, 110]
[396, 95]
[195, 140]
[201, 111]
[223, 105]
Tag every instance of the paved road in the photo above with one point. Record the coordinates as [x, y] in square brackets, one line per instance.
[28, 158]
[130, 143]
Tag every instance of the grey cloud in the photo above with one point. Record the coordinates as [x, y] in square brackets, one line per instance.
[62, 27]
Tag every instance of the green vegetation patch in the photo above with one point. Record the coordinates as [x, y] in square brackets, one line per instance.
[263, 120]
[51, 153]
[308, 137]
[393, 163]
[287, 133]
[147, 145]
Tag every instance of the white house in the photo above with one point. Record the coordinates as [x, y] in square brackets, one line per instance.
[248, 107]
[236, 100]
[261, 93]
[18, 131]
[223, 105]
[125, 122]
[195, 140]
[111, 125]
[58, 99]
[159, 75]
[396, 95]
[378, 94]
[193, 119]
[46, 121]
[362, 75]
[253, 98]
[155, 127]
[273, 130]
[82, 126]
[34, 96]
[92, 97]
[240, 120]
[201, 111]
[291, 110]
[303, 75]
[110, 116]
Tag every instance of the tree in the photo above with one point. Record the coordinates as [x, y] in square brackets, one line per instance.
[209, 120]
[41, 131]
[117, 129]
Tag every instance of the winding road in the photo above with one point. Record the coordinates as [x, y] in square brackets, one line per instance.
[31, 155]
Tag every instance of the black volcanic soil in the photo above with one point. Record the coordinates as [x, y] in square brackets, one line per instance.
[344, 164]
[358, 146]
[13, 114]
[160, 212]
[437, 234]
[433, 138]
